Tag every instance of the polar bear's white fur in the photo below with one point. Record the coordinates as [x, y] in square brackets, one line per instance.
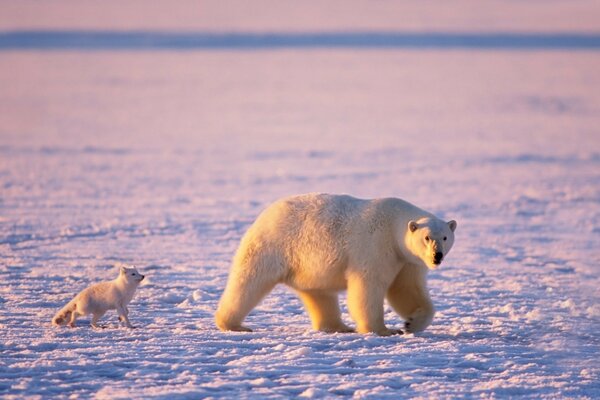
[320, 244]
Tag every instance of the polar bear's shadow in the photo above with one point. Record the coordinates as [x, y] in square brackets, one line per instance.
[283, 312]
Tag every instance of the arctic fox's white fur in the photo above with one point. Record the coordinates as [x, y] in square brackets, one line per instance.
[321, 244]
[101, 297]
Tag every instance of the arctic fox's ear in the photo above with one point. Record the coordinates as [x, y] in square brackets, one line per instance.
[452, 225]
[412, 226]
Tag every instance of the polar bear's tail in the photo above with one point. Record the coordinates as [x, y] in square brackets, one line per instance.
[64, 315]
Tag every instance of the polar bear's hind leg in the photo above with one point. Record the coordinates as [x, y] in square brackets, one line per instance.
[247, 285]
[365, 303]
[324, 311]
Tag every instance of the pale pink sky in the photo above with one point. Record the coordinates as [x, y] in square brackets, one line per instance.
[288, 15]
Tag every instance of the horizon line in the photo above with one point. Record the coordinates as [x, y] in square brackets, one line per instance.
[209, 40]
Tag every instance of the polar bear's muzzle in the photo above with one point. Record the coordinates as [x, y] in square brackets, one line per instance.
[437, 258]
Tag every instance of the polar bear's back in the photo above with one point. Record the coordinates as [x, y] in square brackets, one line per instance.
[299, 235]
[308, 216]
[308, 240]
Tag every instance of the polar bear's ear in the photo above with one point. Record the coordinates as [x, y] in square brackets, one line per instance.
[452, 225]
[412, 226]
[122, 270]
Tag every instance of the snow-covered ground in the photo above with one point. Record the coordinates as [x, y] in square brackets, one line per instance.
[163, 159]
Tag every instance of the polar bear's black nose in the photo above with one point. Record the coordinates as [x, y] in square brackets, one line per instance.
[437, 258]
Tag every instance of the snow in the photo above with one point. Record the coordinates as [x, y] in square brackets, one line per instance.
[163, 159]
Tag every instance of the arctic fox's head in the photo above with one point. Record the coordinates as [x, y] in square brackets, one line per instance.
[430, 239]
[131, 275]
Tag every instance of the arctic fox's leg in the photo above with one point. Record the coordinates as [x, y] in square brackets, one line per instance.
[324, 311]
[95, 318]
[365, 303]
[123, 316]
[73, 318]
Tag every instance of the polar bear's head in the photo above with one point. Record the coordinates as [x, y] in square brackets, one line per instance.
[430, 239]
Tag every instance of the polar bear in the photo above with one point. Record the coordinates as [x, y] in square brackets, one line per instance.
[321, 244]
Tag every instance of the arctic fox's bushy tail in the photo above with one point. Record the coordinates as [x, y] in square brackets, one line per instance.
[64, 315]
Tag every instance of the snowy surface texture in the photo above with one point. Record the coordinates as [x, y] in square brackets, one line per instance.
[163, 159]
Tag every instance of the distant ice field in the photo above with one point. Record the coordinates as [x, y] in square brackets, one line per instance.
[163, 159]
[169, 40]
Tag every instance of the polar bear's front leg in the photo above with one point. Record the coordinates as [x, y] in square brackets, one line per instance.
[365, 303]
[409, 297]
[419, 319]
[414, 306]
[324, 311]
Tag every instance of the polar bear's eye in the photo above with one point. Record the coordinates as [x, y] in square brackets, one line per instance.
[427, 238]
[445, 238]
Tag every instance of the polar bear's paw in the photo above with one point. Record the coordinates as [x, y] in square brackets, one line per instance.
[343, 328]
[418, 321]
[390, 332]
[395, 332]
[415, 325]
[232, 327]
[407, 325]
[239, 328]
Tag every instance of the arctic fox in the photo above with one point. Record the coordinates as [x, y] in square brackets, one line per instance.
[101, 297]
